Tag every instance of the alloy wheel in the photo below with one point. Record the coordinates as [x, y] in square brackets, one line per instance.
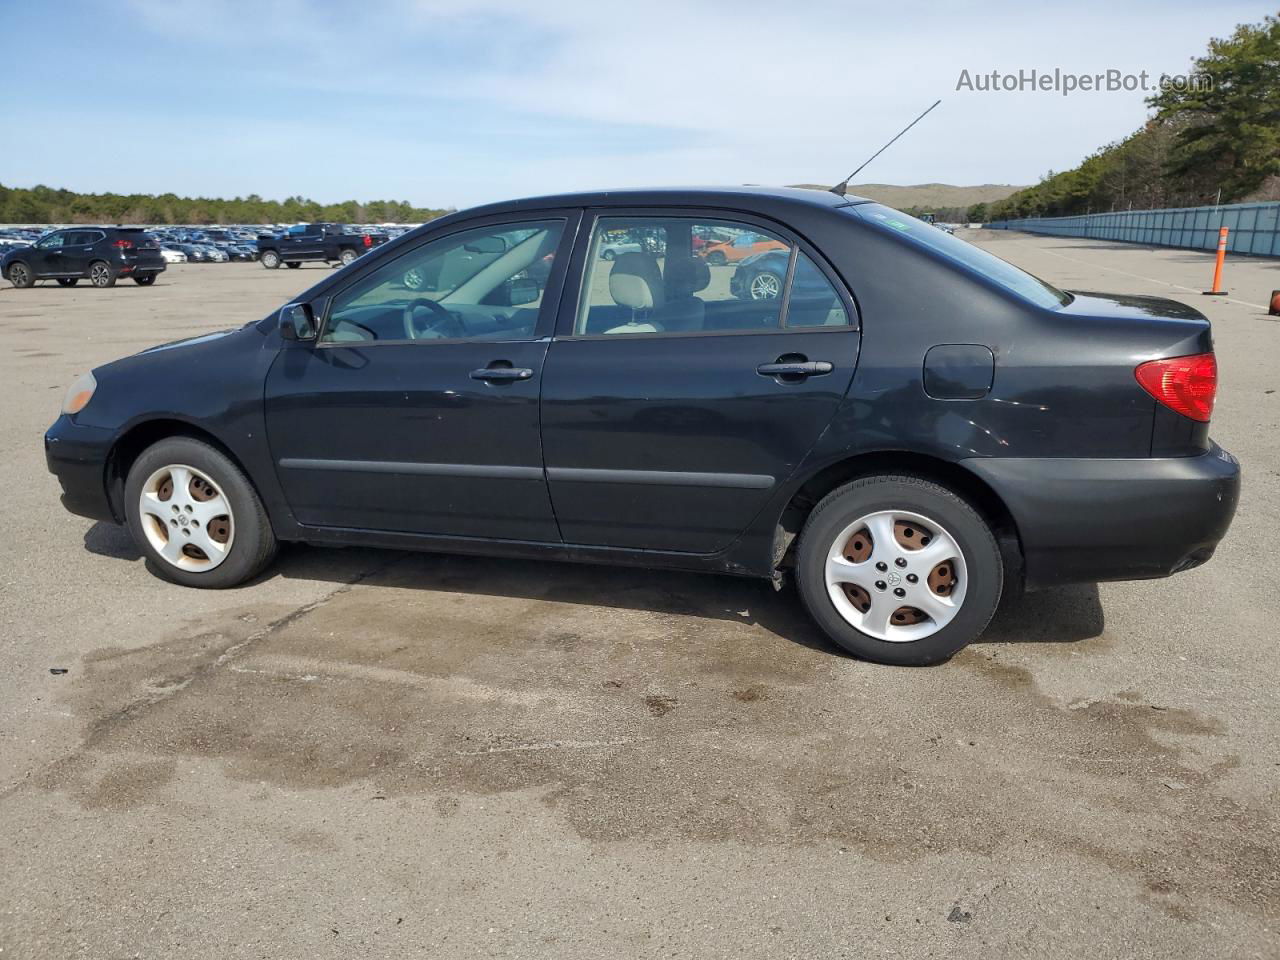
[100, 274]
[186, 518]
[765, 286]
[896, 576]
[19, 276]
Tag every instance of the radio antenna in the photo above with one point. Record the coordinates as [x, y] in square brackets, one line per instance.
[843, 185]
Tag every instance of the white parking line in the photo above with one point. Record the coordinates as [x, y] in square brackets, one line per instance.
[1138, 276]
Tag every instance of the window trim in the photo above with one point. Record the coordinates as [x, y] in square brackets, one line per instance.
[578, 270]
[552, 293]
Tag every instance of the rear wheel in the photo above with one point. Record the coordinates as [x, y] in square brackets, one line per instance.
[899, 570]
[20, 275]
[101, 274]
[68, 281]
[348, 257]
[195, 515]
[145, 279]
[717, 258]
[293, 265]
[270, 259]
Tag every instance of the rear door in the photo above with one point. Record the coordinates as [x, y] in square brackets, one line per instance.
[673, 407]
[80, 250]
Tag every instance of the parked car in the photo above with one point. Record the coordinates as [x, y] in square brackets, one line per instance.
[213, 254]
[324, 242]
[100, 255]
[172, 254]
[609, 249]
[760, 276]
[192, 252]
[739, 248]
[910, 431]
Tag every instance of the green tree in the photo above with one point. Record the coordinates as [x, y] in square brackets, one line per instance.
[1230, 124]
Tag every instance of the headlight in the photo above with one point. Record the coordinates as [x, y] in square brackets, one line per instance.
[80, 393]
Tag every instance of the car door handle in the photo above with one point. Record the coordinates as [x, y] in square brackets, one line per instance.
[797, 368]
[501, 374]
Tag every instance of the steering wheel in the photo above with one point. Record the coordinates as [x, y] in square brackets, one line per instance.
[443, 325]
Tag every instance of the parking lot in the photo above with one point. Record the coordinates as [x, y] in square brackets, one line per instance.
[370, 754]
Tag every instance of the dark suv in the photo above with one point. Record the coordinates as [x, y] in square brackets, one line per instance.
[908, 429]
[100, 255]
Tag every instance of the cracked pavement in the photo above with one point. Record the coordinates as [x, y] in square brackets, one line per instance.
[381, 754]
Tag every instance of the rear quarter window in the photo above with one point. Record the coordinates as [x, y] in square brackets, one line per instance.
[964, 254]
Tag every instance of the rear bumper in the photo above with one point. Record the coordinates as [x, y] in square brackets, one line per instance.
[77, 456]
[1090, 520]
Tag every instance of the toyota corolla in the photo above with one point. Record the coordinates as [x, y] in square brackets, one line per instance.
[908, 427]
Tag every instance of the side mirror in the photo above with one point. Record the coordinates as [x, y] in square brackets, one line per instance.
[297, 322]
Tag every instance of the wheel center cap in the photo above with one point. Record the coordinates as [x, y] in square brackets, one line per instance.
[894, 578]
[182, 519]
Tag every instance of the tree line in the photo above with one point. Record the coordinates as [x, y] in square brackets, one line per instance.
[42, 204]
[1215, 141]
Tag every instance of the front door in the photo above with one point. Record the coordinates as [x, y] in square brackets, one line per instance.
[679, 393]
[416, 409]
[46, 258]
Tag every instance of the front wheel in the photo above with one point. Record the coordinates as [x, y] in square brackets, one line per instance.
[899, 570]
[765, 286]
[293, 265]
[68, 281]
[145, 279]
[101, 274]
[270, 259]
[20, 275]
[195, 516]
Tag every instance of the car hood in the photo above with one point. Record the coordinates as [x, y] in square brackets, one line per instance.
[188, 341]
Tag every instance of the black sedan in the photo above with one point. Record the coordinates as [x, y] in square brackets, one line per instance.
[909, 428]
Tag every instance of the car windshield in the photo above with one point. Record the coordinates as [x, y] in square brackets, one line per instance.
[963, 252]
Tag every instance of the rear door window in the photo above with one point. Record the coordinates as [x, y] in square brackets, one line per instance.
[677, 275]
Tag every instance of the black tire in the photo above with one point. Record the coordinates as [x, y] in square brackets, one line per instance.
[101, 275]
[717, 258]
[867, 495]
[293, 265]
[145, 279]
[253, 544]
[68, 281]
[270, 259]
[348, 257]
[21, 275]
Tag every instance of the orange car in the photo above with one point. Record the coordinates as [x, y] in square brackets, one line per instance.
[731, 251]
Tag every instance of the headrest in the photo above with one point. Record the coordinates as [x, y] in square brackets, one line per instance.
[685, 276]
[636, 282]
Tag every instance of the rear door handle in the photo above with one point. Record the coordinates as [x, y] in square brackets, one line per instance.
[501, 374]
[805, 368]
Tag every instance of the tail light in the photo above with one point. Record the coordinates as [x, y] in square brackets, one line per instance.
[124, 244]
[1186, 385]
[368, 240]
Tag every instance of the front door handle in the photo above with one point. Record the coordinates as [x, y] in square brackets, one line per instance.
[501, 374]
[796, 368]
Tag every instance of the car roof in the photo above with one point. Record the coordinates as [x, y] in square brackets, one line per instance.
[740, 197]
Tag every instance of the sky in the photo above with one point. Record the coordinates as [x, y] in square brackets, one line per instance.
[450, 104]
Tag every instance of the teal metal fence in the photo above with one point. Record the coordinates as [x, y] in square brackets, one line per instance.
[1255, 227]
